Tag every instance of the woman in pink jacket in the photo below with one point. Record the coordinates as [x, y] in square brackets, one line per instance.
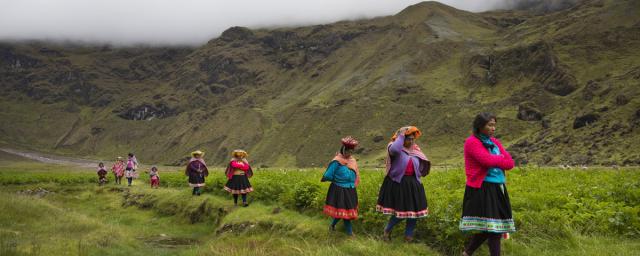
[486, 210]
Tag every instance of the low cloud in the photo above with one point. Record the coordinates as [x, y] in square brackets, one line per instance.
[184, 22]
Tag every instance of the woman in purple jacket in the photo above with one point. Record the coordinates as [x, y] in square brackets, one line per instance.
[402, 194]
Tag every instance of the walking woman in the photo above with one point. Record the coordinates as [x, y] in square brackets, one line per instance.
[118, 170]
[342, 198]
[197, 171]
[130, 171]
[402, 194]
[238, 173]
[486, 210]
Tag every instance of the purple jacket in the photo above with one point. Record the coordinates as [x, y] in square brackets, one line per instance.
[399, 158]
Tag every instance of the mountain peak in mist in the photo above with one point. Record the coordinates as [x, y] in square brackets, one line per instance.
[542, 6]
[426, 8]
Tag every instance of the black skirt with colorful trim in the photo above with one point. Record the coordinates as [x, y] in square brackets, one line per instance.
[406, 199]
[238, 184]
[487, 209]
[341, 203]
[196, 179]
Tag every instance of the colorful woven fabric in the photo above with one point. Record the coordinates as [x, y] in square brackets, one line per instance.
[483, 224]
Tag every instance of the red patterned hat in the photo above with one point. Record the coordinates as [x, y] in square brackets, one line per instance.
[349, 142]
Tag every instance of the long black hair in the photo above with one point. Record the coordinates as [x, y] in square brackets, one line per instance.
[481, 120]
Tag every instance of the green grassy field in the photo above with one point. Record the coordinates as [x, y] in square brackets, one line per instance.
[60, 210]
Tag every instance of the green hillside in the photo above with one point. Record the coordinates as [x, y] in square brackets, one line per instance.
[564, 85]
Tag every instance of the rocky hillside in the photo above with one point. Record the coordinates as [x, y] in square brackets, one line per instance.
[564, 84]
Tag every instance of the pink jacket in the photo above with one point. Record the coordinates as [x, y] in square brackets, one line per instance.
[478, 160]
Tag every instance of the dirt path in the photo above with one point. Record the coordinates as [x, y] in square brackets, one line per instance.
[53, 159]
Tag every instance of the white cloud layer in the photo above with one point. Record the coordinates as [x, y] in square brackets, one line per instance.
[176, 22]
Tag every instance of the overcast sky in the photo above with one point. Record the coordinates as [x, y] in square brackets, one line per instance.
[190, 22]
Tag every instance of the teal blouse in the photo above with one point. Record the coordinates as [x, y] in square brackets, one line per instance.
[494, 175]
[339, 174]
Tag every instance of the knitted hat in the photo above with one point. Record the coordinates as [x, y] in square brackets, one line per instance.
[349, 142]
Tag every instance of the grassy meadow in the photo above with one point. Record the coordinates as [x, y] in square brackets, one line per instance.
[60, 210]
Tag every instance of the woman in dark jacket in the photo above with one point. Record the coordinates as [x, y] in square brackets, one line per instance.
[197, 171]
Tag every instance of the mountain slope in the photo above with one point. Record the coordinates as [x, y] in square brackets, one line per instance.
[564, 85]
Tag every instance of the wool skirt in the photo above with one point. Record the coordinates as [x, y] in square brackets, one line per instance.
[406, 199]
[341, 203]
[196, 179]
[238, 184]
[487, 209]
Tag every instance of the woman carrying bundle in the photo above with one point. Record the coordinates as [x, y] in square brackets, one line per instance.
[130, 170]
[402, 194]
